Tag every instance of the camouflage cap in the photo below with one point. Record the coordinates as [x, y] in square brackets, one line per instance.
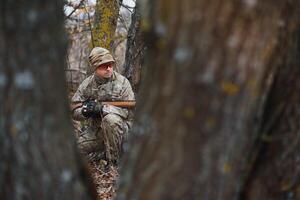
[99, 56]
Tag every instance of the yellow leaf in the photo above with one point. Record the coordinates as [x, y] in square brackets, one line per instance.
[285, 185]
[13, 131]
[227, 168]
[189, 112]
[230, 88]
[210, 122]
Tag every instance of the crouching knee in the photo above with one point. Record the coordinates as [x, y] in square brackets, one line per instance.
[111, 120]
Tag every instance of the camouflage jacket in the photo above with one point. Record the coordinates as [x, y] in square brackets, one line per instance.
[117, 88]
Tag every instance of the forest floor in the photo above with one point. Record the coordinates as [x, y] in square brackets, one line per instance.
[104, 178]
[105, 181]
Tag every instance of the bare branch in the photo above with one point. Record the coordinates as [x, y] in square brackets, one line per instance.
[78, 6]
[129, 8]
[90, 25]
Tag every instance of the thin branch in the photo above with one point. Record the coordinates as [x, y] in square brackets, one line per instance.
[123, 21]
[78, 6]
[90, 25]
[128, 8]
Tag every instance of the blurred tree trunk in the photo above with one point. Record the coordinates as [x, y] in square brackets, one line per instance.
[135, 50]
[105, 24]
[37, 146]
[209, 72]
[276, 173]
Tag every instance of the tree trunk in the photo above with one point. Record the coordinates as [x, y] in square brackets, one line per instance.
[105, 24]
[106, 17]
[276, 173]
[209, 70]
[134, 51]
[37, 146]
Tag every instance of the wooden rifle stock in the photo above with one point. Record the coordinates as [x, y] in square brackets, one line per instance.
[121, 104]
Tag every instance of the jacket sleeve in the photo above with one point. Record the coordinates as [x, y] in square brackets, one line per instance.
[79, 96]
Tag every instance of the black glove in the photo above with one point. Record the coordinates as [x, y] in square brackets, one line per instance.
[91, 109]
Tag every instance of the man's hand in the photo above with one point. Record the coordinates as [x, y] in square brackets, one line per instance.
[92, 109]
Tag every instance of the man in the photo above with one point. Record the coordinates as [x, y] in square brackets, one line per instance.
[106, 125]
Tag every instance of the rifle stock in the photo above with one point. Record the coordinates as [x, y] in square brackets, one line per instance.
[122, 104]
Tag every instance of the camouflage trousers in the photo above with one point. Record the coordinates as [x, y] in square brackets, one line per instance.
[107, 139]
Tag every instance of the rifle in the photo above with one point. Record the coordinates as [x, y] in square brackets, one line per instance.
[122, 104]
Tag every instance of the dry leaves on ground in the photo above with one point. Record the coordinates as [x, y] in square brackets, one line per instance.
[105, 181]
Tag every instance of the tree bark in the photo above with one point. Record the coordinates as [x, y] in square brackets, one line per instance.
[105, 24]
[209, 70]
[135, 50]
[275, 174]
[37, 146]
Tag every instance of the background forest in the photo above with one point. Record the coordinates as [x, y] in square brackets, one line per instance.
[217, 86]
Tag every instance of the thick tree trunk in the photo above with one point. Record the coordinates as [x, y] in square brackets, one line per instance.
[135, 50]
[105, 24]
[209, 70]
[37, 146]
[106, 17]
[276, 174]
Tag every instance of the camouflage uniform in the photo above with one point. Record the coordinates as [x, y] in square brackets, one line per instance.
[107, 133]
